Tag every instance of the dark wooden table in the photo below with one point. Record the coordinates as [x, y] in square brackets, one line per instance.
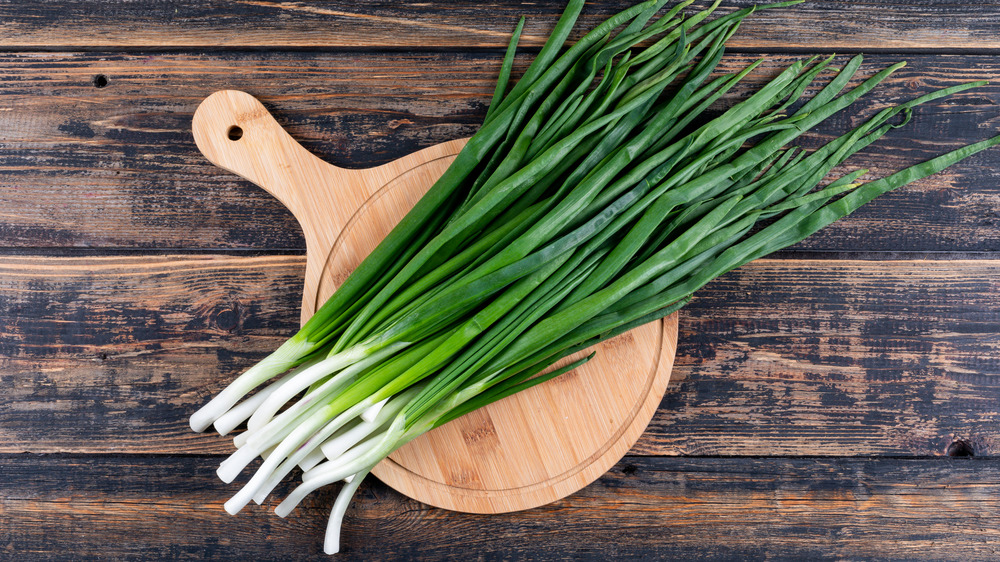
[838, 400]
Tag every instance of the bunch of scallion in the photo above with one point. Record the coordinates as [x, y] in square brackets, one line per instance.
[597, 196]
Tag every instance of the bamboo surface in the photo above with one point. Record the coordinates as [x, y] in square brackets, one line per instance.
[530, 449]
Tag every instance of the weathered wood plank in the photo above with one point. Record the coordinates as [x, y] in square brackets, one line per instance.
[834, 358]
[644, 508]
[828, 24]
[116, 166]
[793, 357]
[132, 343]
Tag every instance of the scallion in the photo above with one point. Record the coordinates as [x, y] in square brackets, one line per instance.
[597, 196]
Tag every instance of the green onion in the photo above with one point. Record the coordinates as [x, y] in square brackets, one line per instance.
[589, 203]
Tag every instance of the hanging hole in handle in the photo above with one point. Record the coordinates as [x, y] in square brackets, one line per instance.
[235, 133]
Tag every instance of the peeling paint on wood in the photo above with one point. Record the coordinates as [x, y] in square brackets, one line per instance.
[924, 25]
[116, 167]
[780, 357]
[644, 508]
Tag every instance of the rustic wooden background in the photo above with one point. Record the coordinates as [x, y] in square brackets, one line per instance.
[839, 400]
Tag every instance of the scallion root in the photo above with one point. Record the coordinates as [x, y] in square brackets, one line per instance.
[600, 193]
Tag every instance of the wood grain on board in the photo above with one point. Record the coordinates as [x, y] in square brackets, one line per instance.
[525, 451]
[784, 357]
[644, 508]
[840, 25]
[116, 167]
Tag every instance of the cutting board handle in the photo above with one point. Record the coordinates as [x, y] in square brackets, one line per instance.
[236, 132]
[506, 456]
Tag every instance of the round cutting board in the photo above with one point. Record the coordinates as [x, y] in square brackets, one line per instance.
[527, 450]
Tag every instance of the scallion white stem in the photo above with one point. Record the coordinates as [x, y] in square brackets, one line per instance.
[598, 195]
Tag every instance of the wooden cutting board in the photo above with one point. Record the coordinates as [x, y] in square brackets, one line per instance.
[527, 450]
